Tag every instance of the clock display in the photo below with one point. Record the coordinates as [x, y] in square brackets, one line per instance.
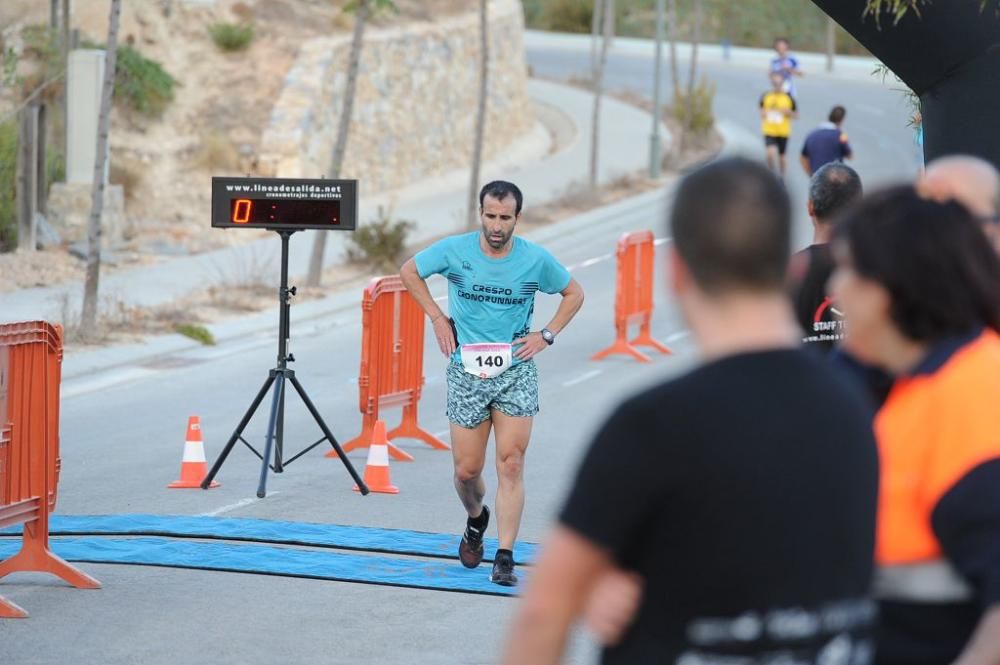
[284, 212]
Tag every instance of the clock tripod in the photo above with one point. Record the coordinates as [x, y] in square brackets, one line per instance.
[277, 381]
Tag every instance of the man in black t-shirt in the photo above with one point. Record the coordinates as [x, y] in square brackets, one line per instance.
[831, 189]
[742, 494]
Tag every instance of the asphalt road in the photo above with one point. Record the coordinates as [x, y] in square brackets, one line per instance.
[122, 444]
[877, 113]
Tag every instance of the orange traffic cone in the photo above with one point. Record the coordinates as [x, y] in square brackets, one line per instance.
[194, 468]
[377, 468]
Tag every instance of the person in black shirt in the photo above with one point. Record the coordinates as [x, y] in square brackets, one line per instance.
[742, 494]
[832, 189]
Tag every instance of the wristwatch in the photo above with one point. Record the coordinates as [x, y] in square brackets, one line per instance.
[548, 336]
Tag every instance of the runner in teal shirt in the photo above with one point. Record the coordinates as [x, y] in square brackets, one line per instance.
[492, 379]
[491, 300]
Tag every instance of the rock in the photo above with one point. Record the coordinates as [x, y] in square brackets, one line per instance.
[165, 248]
[46, 235]
[108, 258]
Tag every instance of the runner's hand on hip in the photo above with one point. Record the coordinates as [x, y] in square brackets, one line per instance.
[445, 335]
[533, 344]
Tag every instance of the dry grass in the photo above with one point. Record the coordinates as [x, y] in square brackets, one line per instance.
[579, 198]
[126, 174]
[217, 154]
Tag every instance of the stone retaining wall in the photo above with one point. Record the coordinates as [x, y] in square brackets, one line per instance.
[415, 105]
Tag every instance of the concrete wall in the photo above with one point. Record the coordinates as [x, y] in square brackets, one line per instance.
[415, 107]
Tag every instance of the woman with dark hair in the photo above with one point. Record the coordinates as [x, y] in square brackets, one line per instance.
[920, 286]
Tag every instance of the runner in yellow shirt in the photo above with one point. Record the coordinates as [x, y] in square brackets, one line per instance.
[777, 109]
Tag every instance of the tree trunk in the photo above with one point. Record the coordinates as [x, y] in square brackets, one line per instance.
[88, 317]
[64, 48]
[315, 273]
[477, 147]
[831, 42]
[595, 124]
[672, 36]
[947, 56]
[686, 126]
[595, 35]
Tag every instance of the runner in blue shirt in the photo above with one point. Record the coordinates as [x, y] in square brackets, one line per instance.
[492, 379]
[785, 64]
[827, 143]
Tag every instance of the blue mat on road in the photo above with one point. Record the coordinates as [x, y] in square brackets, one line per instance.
[369, 539]
[268, 560]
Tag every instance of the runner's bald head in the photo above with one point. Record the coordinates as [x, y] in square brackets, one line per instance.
[971, 181]
[731, 225]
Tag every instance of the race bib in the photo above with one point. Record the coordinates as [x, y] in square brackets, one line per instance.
[775, 117]
[486, 360]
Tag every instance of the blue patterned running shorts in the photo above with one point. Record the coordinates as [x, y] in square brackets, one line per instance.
[513, 393]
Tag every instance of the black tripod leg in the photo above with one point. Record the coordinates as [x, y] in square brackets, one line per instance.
[238, 433]
[279, 389]
[329, 435]
[279, 438]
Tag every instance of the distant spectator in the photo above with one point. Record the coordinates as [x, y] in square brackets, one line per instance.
[743, 493]
[832, 189]
[918, 140]
[827, 143]
[777, 109]
[785, 64]
[971, 181]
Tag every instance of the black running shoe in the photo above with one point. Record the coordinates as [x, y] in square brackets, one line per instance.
[470, 550]
[503, 570]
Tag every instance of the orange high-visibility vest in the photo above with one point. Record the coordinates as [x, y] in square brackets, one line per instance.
[932, 431]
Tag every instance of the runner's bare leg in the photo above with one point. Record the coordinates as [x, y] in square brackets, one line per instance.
[772, 156]
[512, 436]
[468, 449]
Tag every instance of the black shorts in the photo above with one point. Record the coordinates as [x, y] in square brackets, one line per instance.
[780, 141]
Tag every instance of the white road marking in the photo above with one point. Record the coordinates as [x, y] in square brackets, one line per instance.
[234, 506]
[440, 298]
[661, 241]
[441, 434]
[677, 336]
[583, 377]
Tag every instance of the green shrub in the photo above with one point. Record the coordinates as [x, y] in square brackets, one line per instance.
[8, 65]
[55, 164]
[696, 113]
[231, 36]
[8, 170]
[567, 15]
[380, 243]
[142, 84]
[41, 43]
[197, 332]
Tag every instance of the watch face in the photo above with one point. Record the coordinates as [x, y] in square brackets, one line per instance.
[548, 336]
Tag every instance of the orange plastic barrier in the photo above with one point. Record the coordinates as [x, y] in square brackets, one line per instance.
[634, 296]
[392, 364]
[30, 374]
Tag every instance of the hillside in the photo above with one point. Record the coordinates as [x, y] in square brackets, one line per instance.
[221, 104]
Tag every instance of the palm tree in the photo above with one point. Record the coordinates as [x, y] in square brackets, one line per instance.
[595, 125]
[362, 12]
[477, 149]
[88, 316]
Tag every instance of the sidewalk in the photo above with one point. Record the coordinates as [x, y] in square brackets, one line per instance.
[436, 205]
[845, 67]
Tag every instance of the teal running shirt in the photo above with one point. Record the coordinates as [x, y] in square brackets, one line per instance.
[491, 300]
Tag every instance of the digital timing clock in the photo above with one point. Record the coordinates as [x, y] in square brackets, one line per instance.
[284, 204]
